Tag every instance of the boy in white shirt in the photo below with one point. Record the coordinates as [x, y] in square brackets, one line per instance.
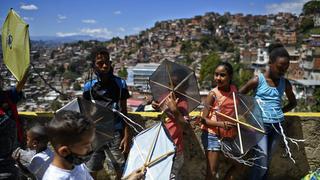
[71, 136]
[37, 141]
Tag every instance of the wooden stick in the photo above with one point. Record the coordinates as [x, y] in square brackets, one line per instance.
[240, 122]
[238, 125]
[153, 145]
[99, 119]
[104, 134]
[151, 163]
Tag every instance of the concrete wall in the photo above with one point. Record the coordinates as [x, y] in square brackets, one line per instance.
[307, 156]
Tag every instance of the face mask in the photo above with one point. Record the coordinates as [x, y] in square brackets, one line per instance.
[104, 75]
[77, 159]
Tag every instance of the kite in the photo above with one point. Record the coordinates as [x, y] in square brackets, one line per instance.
[16, 45]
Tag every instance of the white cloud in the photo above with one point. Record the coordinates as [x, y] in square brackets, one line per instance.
[97, 33]
[28, 18]
[117, 12]
[294, 6]
[89, 21]
[121, 29]
[61, 17]
[61, 34]
[137, 29]
[29, 7]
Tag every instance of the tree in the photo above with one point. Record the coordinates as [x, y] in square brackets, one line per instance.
[306, 24]
[222, 20]
[210, 25]
[123, 73]
[55, 105]
[208, 65]
[186, 47]
[76, 86]
[316, 95]
[311, 7]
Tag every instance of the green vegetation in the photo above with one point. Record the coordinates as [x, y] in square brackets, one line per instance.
[222, 20]
[187, 48]
[311, 7]
[55, 105]
[123, 73]
[306, 24]
[70, 75]
[316, 106]
[76, 86]
[208, 65]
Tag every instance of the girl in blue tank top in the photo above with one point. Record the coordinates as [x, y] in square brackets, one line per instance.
[269, 88]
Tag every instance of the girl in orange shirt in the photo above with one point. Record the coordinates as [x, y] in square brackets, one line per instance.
[214, 127]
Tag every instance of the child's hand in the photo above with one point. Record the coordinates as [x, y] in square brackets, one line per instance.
[137, 175]
[171, 103]
[198, 121]
[16, 156]
[155, 105]
[227, 125]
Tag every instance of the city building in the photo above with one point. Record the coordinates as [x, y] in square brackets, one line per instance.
[141, 74]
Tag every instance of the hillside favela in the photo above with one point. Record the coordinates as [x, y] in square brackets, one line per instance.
[220, 94]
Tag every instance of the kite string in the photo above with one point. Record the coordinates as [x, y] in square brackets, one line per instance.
[249, 162]
[49, 85]
[125, 118]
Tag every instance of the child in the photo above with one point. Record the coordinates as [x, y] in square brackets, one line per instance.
[269, 89]
[71, 136]
[112, 91]
[176, 108]
[214, 126]
[37, 141]
[10, 128]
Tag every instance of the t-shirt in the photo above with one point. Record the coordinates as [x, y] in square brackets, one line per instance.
[175, 130]
[110, 95]
[79, 172]
[40, 163]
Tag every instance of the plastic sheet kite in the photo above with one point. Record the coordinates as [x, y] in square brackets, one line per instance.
[16, 45]
[249, 130]
[177, 79]
[152, 150]
[101, 116]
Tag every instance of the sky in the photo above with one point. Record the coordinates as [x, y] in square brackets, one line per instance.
[111, 18]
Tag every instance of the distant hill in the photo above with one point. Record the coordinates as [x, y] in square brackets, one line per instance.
[66, 39]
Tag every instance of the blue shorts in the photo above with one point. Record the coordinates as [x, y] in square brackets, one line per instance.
[210, 142]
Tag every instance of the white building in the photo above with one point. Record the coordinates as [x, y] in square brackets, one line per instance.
[141, 74]
[262, 61]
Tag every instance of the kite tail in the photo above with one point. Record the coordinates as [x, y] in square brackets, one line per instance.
[240, 159]
[285, 138]
[129, 121]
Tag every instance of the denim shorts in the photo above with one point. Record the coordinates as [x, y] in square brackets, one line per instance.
[210, 142]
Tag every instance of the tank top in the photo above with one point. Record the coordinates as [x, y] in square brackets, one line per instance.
[224, 104]
[269, 100]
